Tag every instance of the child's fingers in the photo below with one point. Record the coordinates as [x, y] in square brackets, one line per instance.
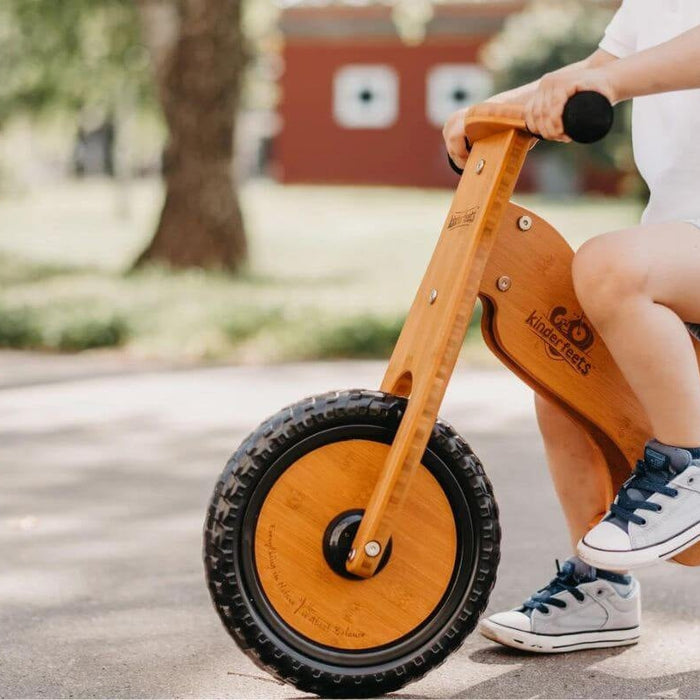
[545, 126]
[459, 161]
[541, 114]
[453, 135]
[457, 148]
[550, 120]
[549, 130]
[555, 101]
[532, 113]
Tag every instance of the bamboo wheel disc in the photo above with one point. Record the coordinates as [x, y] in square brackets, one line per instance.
[317, 602]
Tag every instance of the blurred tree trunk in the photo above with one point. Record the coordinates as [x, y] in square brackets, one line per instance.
[198, 56]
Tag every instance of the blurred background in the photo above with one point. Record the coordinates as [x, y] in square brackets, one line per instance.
[260, 181]
[198, 200]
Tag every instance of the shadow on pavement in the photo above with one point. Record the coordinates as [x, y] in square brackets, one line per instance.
[572, 676]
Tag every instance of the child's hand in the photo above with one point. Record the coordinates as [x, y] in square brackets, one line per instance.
[544, 109]
[453, 133]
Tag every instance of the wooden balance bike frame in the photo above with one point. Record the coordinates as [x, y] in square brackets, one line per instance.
[520, 268]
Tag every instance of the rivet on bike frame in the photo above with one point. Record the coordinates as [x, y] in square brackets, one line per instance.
[524, 223]
[503, 283]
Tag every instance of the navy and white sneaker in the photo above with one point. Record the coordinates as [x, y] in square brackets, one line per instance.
[581, 608]
[656, 514]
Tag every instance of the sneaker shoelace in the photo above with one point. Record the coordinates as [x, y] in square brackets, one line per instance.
[645, 481]
[565, 580]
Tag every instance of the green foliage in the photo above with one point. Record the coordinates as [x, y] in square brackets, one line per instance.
[70, 54]
[28, 329]
[363, 336]
[18, 329]
[321, 282]
[89, 333]
[246, 322]
[545, 36]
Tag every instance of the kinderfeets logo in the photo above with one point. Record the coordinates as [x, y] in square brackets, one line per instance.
[564, 338]
[462, 218]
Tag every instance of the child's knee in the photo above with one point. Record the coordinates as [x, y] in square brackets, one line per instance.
[607, 270]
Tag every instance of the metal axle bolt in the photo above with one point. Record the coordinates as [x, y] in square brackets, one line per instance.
[372, 548]
[433, 296]
[351, 554]
[480, 166]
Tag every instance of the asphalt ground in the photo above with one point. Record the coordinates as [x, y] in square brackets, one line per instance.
[105, 474]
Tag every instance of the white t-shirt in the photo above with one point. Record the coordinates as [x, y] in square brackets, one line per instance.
[665, 127]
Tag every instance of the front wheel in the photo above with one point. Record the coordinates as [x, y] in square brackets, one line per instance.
[280, 525]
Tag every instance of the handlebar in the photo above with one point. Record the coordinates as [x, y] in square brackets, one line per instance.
[587, 117]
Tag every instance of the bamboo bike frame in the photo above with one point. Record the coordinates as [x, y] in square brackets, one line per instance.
[520, 268]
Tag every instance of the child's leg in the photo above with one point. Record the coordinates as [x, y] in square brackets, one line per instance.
[578, 469]
[630, 304]
[635, 286]
[580, 608]
[638, 287]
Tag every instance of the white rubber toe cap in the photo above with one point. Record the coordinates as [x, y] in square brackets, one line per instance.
[608, 538]
[513, 619]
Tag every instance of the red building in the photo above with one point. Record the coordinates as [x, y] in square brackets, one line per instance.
[359, 105]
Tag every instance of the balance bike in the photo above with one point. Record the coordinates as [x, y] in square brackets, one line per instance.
[352, 541]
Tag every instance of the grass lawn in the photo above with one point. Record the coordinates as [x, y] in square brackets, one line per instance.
[332, 270]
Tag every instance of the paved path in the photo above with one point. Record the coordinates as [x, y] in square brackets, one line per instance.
[103, 485]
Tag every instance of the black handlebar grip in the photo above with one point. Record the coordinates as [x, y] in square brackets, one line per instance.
[587, 117]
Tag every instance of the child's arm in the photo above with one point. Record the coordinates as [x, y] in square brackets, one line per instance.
[673, 65]
[521, 95]
[453, 131]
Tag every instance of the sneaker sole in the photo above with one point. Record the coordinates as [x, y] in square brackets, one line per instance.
[557, 644]
[638, 558]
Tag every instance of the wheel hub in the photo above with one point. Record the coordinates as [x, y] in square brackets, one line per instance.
[337, 541]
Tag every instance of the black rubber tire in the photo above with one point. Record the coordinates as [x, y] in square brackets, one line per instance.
[223, 537]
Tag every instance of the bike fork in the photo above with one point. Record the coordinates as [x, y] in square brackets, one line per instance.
[427, 349]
